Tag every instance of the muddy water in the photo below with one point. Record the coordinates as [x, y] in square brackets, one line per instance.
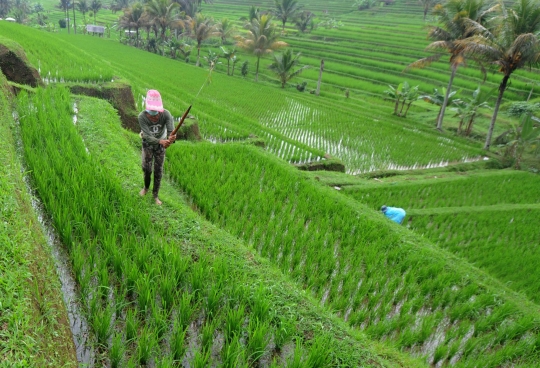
[79, 326]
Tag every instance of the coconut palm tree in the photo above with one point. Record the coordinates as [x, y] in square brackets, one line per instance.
[95, 6]
[163, 14]
[305, 21]
[454, 27]
[82, 6]
[192, 7]
[261, 39]
[201, 28]
[225, 28]
[133, 19]
[5, 7]
[426, 4]
[285, 10]
[284, 64]
[511, 44]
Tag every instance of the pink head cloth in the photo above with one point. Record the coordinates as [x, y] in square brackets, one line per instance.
[153, 101]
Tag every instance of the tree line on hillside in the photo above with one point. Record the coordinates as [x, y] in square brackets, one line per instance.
[492, 35]
[177, 29]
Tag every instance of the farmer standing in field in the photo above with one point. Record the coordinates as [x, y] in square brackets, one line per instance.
[393, 213]
[156, 125]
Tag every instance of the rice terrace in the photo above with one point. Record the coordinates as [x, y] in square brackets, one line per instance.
[267, 246]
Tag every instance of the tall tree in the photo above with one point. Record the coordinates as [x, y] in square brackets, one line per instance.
[82, 6]
[201, 28]
[192, 7]
[22, 9]
[305, 21]
[133, 19]
[95, 6]
[426, 4]
[510, 44]
[285, 10]
[225, 28]
[261, 39]
[74, 22]
[163, 14]
[453, 16]
[284, 64]
[5, 8]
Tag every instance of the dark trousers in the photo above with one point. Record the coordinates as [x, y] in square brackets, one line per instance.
[152, 160]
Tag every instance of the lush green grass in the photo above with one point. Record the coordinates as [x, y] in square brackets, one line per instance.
[34, 328]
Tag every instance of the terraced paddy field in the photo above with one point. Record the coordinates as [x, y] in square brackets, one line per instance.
[484, 217]
[251, 262]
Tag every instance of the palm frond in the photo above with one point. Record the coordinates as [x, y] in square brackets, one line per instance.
[423, 62]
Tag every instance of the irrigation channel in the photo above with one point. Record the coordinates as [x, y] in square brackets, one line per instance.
[77, 323]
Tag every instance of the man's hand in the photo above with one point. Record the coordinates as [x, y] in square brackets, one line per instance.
[165, 143]
[172, 138]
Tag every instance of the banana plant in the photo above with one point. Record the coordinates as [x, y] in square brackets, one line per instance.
[467, 108]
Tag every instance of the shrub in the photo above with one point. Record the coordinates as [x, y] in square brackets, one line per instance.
[518, 108]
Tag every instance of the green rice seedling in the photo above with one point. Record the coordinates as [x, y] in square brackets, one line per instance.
[178, 342]
[131, 273]
[160, 321]
[197, 278]
[232, 354]
[167, 287]
[186, 309]
[257, 340]
[117, 260]
[103, 281]
[441, 352]
[201, 359]
[207, 335]
[101, 319]
[146, 345]
[234, 321]
[213, 300]
[179, 266]
[117, 351]
[296, 359]
[165, 362]
[319, 353]
[260, 305]
[120, 300]
[284, 331]
[145, 293]
[78, 261]
[131, 325]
